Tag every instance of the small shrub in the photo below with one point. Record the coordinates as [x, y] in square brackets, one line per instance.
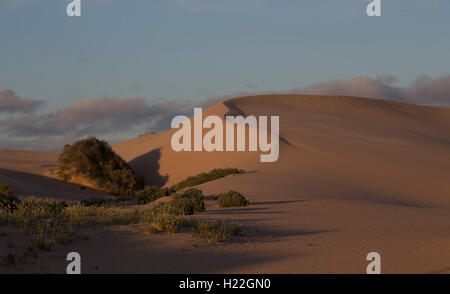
[8, 203]
[99, 201]
[170, 216]
[34, 208]
[152, 230]
[232, 199]
[41, 240]
[5, 190]
[79, 213]
[206, 177]
[151, 193]
[169, 222]
[217, 231]
[192, 196]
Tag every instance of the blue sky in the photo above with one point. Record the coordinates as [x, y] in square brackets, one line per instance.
[194, 49]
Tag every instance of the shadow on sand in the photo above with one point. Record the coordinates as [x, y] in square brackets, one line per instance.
[147, 166]
[26, 184]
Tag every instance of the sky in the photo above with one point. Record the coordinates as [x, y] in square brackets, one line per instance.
[116, 69]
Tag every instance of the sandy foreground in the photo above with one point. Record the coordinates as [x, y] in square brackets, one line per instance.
[354, 175]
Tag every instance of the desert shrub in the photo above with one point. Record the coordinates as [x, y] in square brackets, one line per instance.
[34, 208]
[95, 161]
[98, 201]
[151, 193]
[206, 177]
[169, 222]
[5, 189]
[8, 203]
[216, 230]
[232, 199]
[192, 196]
[79, 213]
[46, 232]
[170, 216]
[175, 207]
[152, 230]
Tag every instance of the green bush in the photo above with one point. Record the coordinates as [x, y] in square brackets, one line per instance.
[192, 196]
[79, 213]
[98, 201]
[232, 199]
[216, 230]
[206, 177]
[95, 161]
[5, 190]
[34, 208]
[8, 203]
[151, 193]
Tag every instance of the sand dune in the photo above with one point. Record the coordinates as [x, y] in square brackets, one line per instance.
[367, 149]
[354, 175]
[30, 173]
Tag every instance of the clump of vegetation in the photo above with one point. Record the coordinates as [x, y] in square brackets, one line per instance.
[8, 203]
[170, 216]
[5, 189]
[49, 222]
[80, 214]
[206, 177]
[194, 197]
[151, 193]
[94, 160]
[216, 230]
[98, 201]
[232, 199]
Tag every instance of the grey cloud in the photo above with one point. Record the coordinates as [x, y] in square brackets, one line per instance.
[102, 115]
[424, 90]
[10, 102]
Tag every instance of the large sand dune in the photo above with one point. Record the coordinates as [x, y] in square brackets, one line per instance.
[332, 147]
[354, 175]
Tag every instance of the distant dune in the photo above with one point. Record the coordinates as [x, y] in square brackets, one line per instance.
[354, 175]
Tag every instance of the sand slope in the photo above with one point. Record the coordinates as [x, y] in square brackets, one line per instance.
[365, 149]
[354, 175]
[29, 173]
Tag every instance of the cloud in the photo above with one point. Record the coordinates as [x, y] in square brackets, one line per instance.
[424, 90]
[11, 103]
[95, 116]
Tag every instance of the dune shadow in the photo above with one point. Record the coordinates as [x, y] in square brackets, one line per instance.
[26, 184]
[277, 202]
[237, 211]
[147, 167]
